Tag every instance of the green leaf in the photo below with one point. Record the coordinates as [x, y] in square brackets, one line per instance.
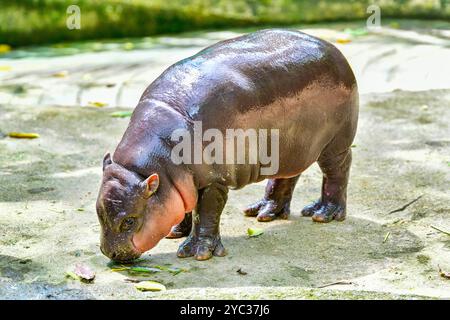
[144, 269]
[121, 114]
[356, 32]
[254, 232]
[175, 270]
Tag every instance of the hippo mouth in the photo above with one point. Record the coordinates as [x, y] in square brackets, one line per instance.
[119, 250]
[127, 254]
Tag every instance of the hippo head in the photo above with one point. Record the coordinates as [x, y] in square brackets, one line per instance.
[135, 212]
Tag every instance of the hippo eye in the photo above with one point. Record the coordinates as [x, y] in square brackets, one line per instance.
[128, 223]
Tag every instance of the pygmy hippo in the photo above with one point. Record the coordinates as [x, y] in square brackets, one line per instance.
[282, 81]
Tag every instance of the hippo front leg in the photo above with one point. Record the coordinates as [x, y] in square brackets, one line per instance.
[204, 240]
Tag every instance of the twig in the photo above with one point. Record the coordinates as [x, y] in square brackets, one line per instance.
[137, 280]
[406, 205]
[386, 237]
[440, 230]
[335, 283]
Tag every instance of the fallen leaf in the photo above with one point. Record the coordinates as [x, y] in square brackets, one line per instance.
[343, 40]
[80, 209]
[119, 269]
[356, 32]
[121, 114]
[5, 68]
[144, 269]
[443, 274]
[60, 74]
[97, 104]
[70, 274]
[161, 267]
[23, 135]
[241, 272]
[175, 270]
[4, 48]
[254, 232]
[128, 46]
[172, 270]
[147, 269]
[84, 272]
[386, 237]
[150, 286]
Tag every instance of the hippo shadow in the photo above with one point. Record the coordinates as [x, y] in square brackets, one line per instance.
[13, 283]
[296, 252]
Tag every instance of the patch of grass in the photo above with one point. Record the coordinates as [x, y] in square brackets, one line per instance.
[31, 22]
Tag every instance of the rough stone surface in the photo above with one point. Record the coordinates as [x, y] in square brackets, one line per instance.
[49, 186]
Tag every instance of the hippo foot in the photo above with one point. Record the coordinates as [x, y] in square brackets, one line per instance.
[324, 211]
[267, 210]
[203, 248]
[183, 229]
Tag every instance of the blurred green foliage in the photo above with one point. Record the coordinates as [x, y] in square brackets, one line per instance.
[27, 22]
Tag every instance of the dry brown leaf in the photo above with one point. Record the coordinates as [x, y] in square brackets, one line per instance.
[84, 272]
[443, 274]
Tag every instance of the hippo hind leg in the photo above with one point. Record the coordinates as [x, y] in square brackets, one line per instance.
[332, 204]
[276, 201]
[183, 229]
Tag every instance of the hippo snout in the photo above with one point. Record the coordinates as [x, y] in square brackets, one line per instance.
[120, 253]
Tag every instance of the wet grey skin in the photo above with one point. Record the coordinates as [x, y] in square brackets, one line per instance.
[270, 79]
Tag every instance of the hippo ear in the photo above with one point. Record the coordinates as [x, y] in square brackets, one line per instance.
[151, 185]
[106, 160]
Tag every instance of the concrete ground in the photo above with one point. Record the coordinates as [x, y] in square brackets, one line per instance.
[48, 186]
